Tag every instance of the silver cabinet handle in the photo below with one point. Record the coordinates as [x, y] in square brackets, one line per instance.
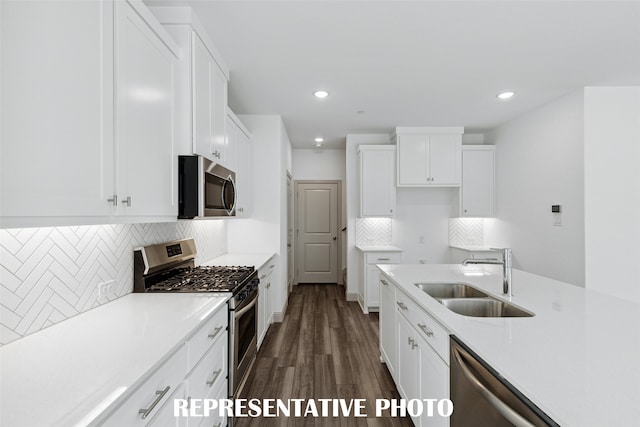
[413, 345]
[426, 330]
[272, 265]
[113, 200]
[127, 201]
[384, 282]
[216, 374]
[402, 306]
[384, 259]
[410, 341]
[145, 412]
[215, 333]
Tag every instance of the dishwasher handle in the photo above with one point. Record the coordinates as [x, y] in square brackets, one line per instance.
[515, 418]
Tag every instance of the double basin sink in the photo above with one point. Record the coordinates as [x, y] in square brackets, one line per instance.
[467, 300]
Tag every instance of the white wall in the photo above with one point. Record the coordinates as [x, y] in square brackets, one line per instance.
[612, 190]
[422, 214]
[266, 230]
[329, 165]
[539, 163]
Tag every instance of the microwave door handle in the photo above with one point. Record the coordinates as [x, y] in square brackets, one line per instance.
[228, 181]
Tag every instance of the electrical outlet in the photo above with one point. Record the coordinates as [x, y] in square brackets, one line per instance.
[107, 290]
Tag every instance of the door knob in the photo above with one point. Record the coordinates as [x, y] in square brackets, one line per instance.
[334, 238]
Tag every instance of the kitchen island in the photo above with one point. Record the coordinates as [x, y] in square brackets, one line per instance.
[576, 359]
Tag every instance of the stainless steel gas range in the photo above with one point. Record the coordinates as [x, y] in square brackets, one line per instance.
[170, 267]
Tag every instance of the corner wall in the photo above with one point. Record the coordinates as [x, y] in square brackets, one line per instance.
[539, 163]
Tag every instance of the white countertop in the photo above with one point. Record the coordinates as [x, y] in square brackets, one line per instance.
[70, 372]
[474, 248]
[578, 359]
[378, 248]
[256, 260]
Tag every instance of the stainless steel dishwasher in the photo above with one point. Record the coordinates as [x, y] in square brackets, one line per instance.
[481, 397]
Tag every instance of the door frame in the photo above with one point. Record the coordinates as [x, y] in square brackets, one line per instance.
[338, 223]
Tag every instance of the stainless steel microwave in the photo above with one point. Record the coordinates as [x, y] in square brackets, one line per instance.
[205, 189]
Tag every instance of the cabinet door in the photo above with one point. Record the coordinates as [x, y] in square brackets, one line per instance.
[202, 102]
[434, 382]
[408, 360]
[244, 177]
[56, 149]
[413, 155]
[388, 325]
[232, 133]
[373, 286]
[478, 186]
[444, 162]
[145, 75]
[377, 183]
[219, 114]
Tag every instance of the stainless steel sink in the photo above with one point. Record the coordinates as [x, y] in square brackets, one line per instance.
[484, 307]
[450, 290]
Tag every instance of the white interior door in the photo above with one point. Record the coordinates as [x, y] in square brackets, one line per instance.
[317, 233]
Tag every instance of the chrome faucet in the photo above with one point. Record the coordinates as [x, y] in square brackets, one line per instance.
[506, 262]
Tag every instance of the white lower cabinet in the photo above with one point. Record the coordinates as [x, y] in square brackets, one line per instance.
[422, 351]
[197, 370]
[369, 289]
[265, 313]
[388, 345]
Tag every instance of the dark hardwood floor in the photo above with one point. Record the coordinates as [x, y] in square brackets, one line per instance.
[325, 348]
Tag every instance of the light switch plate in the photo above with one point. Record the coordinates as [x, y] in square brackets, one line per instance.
[107, 290]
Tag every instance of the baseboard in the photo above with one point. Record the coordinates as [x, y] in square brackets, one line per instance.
[352, 296]
[278, 316]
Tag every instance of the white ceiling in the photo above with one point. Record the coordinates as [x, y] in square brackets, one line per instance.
[414, 63]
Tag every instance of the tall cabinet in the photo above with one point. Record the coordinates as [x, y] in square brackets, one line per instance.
[477, 193]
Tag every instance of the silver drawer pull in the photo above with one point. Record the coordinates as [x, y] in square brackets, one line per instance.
[410, 341]
[272, 265]
[216, 374]
[426, 330]
[215, 333]
[384, 259]
[413, 345]
[402, 306]
[384, 282]
[145, 412]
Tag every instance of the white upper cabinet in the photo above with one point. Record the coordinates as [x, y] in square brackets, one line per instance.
[203, 79]
[87, 122]
[428, 156]
[145, 81]
[377, 180]
[239, 155]
[57, 143]
[477, 194]
[209, 104]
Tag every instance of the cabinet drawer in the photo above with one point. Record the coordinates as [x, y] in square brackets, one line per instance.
[432, 331]
[214, 330]
[209, 373]
[152, 394]
[266, 270]
[382, 257]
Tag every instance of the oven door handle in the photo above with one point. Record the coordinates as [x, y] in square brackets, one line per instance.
[239, 313]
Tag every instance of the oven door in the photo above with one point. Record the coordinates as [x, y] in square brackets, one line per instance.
[219, 190]
[245, 341]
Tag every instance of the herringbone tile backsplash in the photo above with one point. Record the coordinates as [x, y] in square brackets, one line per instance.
[466, 231]
[48, 275]
[373, 231]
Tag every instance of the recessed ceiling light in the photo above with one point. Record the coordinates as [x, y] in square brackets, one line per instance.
[319, 139]
[321, 93]
[505, 95]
